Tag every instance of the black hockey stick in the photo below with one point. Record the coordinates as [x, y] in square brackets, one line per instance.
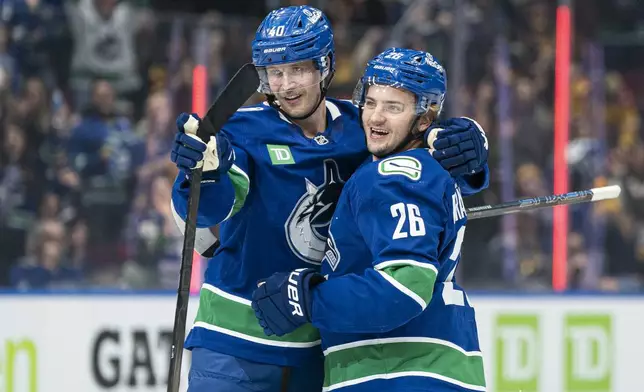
[590, 195]
[238, 90]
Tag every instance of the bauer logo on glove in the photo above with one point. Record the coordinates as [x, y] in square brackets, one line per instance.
[293, 297]
[282, 303]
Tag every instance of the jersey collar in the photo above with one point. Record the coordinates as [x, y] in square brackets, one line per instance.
[332, 108]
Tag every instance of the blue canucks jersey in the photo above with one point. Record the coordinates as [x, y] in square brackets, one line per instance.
[390, 315]
[275, 206]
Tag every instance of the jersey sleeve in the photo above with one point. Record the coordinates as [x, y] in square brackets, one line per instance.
[223, 198]
[402, 222]
[219, 199]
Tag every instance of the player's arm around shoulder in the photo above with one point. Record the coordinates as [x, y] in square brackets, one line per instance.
[226, 167]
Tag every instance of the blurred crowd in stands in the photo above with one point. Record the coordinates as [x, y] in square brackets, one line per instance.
[89, 90]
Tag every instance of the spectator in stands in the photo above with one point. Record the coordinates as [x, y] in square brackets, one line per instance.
[37, 30]
[154, 240]
[106, 153]
[157, 129]
[45, 267]
[104, 47]
[19, 198]
[31, 109]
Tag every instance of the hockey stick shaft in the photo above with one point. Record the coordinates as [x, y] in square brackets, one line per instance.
[185, 274]
[238, 90]
[586, 196]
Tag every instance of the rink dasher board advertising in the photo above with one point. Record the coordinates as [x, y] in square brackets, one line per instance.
[121, 342]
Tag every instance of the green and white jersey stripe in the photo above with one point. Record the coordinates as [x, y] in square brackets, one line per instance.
[412, 278]
[241, 185]
[366, 360]
[232, 315]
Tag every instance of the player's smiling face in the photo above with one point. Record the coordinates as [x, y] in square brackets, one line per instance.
[296, 86]
[387, 116]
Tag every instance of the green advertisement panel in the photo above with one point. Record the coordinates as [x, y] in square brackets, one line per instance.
[518, 357]
[588, 353]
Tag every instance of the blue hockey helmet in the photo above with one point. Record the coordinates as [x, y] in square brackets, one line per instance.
[294, 34]
[412, 70]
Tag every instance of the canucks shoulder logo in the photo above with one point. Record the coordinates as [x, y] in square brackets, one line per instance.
[332, 256]
[308, 224]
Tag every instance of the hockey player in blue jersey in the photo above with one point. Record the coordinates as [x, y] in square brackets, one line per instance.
[391, 317]
[272, 177]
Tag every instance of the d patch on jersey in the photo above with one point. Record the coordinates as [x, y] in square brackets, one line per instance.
[406, 166]
[280, 155]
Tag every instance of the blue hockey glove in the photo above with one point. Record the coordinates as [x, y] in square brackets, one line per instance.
[190, 152]
[459, 145]
[282, 303]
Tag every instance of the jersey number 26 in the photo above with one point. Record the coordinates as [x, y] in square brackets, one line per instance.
[410, 223]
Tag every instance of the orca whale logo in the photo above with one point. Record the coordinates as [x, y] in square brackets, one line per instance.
[308, 224]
